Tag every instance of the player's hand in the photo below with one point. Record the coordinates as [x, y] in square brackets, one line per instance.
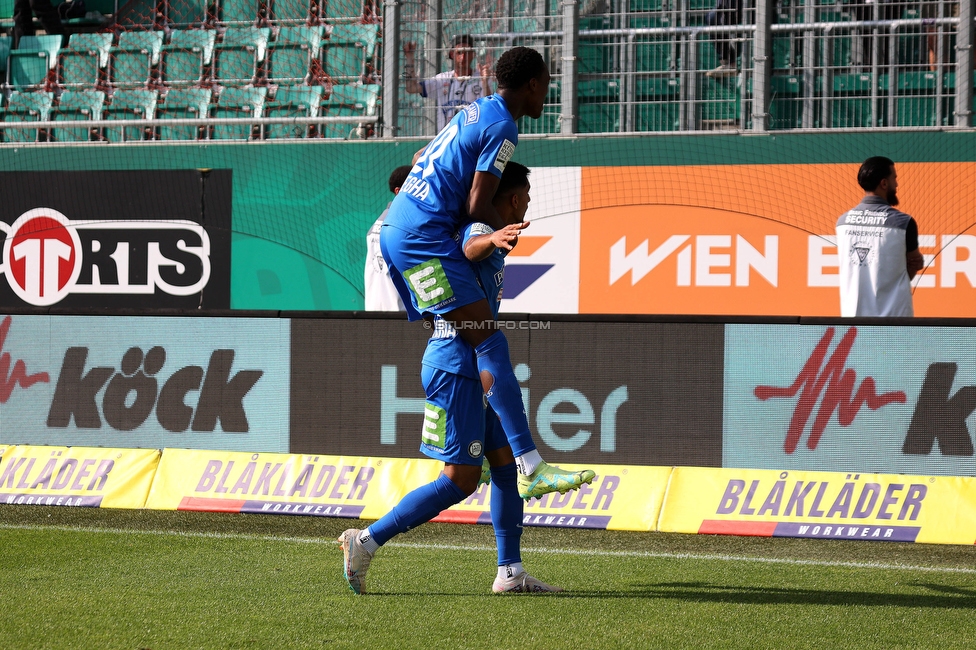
[409, 47]
[507, 237]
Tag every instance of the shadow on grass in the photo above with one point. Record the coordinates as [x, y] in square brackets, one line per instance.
[701, 592]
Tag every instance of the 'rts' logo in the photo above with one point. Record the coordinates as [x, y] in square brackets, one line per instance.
[46, 257]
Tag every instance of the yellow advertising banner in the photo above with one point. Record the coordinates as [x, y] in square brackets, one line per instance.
[285, 484]
[91, 477]
[620, 498]
[823, 505]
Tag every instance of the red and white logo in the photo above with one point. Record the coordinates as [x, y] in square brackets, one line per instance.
[47, 256]
[41, 256]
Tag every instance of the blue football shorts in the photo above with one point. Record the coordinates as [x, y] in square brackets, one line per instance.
[431, 275]
[459, 426]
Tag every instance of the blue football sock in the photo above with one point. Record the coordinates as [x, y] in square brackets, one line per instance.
[506, 514]
[505, 395]
[417, 507]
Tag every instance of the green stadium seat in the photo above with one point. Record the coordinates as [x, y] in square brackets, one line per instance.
[5, 44]
[912, 48]
[237, 102]
[189, 53]
[850, 104]
[292, 101]
[707, 57]
[347, 100]
[638, 6]
[949, 100]
[594, 57]
[239, 12]
[84, 62]
[134, 58]
[139, 104]
[293, 12]
[653, 53]
[74, 106]
[29, 65]
[237, 58]
[657, 108]
[786, 55]
[915, 103]
[338, 11]
[292, 54]
[347, 51]
[718, 101]
[839, 41]
[183, 103]
[599, 108]
[551, 110]
[185, 14]
[786, 104]
[26, 107]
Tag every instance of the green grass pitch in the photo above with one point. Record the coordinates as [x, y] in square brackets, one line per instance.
[85, 578]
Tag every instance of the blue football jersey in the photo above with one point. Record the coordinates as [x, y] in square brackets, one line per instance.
[481, 138]
[445, 349]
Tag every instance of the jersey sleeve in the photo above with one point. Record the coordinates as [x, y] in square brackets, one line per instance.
[911, 235]
[473, 230]
[497, 146]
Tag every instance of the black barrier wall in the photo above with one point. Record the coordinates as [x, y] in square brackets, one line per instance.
[595, 392]
[116, 239]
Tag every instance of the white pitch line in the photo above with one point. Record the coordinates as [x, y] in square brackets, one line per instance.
[540, 550]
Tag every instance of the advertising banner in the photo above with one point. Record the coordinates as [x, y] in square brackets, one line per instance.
[151, 382]
[116, 239]
[600, 393]
[285, 484]
[542, 271]
[76, 476]
[620, 498]
[834, 398]
[659, 240]
[867, 507]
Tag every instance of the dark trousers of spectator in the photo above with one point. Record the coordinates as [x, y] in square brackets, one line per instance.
[24, 12]
[726, 12]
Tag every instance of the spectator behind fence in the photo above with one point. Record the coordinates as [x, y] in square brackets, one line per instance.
[24, 12]
[725, 13]
[877, 247]
[380, 294]
[454, 89]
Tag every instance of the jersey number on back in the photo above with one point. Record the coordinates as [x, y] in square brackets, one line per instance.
[435, 150]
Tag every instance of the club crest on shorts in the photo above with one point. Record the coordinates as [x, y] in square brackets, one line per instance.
[475, 449]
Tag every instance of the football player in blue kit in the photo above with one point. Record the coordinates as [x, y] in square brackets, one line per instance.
[458, 426]
[453, 182]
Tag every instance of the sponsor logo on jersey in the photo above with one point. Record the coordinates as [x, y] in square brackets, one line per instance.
[505, 153]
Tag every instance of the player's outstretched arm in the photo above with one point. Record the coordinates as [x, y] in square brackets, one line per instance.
[480, 247]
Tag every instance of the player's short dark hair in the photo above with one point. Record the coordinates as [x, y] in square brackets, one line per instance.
[398, 176]
[462, 39]
[514, 176]
[873, 171]
[518, 66]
